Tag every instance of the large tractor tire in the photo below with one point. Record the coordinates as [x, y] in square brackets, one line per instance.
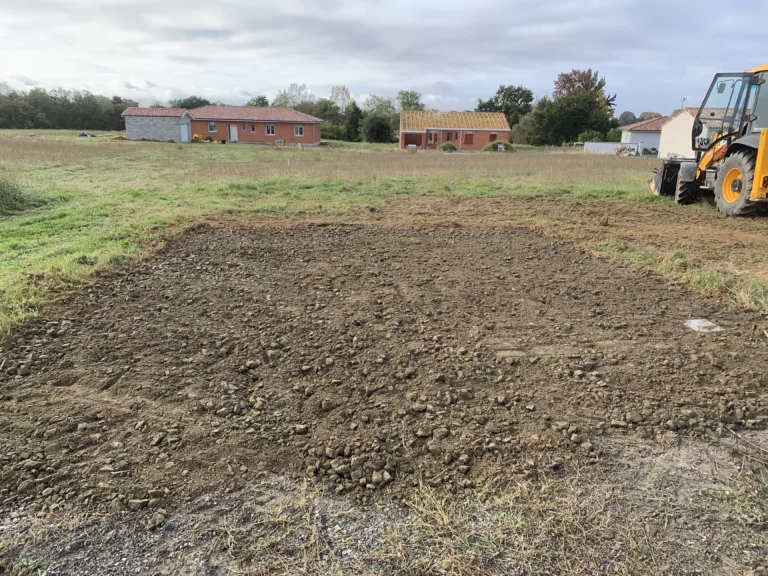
[687, 192]
[733, 186]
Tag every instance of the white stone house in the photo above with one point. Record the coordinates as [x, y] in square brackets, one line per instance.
[646, 134]
[159, 124]
[676, 136]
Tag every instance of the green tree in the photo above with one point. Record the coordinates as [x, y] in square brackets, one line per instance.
[386, 108]
[513, 101]
[613, 135]
[354, 117]
[410, 100]
[260, 101]
[305, 107]
[189, 102]
[376, 128]
[590, 136]
[327, 110]
[583, 82]
[627, 118]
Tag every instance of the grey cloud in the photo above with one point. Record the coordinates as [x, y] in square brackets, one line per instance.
[451, 49]
[26, 80]
[130, 86]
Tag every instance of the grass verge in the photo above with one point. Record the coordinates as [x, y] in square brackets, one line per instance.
[744, 290]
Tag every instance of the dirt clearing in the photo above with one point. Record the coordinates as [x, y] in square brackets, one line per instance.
[386, 369]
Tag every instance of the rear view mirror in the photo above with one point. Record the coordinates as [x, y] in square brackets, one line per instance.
[721, 88]
[698, 128]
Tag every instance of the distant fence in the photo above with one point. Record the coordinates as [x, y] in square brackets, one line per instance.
[608, 147]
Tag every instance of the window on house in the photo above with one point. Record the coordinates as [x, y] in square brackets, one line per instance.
[298, 130]
[492, 137]
[253, 127]
[449, 136]
[243, 127]
[469, 138]
[455, 135]
[270, 129]
[212, 127]
[430, 138]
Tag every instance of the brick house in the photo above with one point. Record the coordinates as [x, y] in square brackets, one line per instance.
[250, 124]
[467, 130]
[256, 124]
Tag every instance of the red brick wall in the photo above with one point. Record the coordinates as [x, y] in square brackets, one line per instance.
[283, 131]
[481, 138]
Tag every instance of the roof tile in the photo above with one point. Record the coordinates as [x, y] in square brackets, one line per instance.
[254, 113]
[160, 112]
[652, 125]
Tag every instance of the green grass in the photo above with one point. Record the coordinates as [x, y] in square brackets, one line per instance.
[747, 291]
[107, 199]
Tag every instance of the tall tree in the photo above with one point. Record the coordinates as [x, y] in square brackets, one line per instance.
[627, 118]
[376, 128]
[295, 94]
[580, 82]
[354, 117]
[189, 102]
[328, 110]
[384, 107]
[261, 101]
[513, 101]
[410, 100]
[341, 97]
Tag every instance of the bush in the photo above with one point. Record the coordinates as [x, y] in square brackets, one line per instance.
[12, 197]
[197, 138]
[494, 147]
[208, 139]
[591, 136]
[613, 135]
[448, 147]
[331, 131]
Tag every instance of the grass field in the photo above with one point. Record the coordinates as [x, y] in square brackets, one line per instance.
[95, 202]
[91, 203]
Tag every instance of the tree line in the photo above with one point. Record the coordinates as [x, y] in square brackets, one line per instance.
[61, 109]
[579, 109]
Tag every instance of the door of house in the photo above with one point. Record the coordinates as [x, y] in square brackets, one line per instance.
[184, 133]
[233, 132]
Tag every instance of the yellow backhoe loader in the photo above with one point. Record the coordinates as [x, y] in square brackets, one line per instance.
[730, 140]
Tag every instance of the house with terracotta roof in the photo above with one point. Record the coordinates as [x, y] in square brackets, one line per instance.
[249, 124]
[646, 133]
[466, 130]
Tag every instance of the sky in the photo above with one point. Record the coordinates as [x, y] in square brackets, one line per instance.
[651, 52]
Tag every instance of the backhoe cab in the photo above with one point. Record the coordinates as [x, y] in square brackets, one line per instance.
[730, 139]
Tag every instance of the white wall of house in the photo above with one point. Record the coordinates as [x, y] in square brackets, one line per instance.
[676, 137]
[647, 139]
[158, 128]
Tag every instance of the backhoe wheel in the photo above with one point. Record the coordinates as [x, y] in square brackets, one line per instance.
[687, 192]
[733, 186]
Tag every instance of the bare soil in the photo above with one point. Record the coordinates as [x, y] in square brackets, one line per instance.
[373, 363]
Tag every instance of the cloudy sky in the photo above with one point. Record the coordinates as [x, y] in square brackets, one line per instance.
[652, 52]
